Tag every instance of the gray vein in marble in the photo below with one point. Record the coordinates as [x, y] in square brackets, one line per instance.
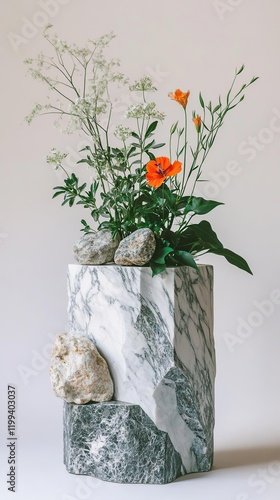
[117, 442]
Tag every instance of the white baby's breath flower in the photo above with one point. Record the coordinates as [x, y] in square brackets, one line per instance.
[122, 133]
[103, 40]
[36, 111]
[56, 158]
[144, 110]
[145, 84]
[88, 107]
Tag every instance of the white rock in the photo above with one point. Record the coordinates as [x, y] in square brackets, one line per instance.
[96, 248]
[78, 372]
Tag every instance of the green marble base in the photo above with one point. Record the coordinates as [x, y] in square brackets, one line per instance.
[118, 442]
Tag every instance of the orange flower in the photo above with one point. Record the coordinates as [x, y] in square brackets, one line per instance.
[180, 97]
[197, 122]
[161, 168]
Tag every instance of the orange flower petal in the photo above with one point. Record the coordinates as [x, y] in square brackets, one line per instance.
[159, 165]
[180, 97]
[155, 181]
[174, 169]
[197, 122]
[159, 169]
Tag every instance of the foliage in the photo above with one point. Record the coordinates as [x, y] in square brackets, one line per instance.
[132, 187]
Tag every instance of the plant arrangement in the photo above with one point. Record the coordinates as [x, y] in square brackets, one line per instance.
[133, 184]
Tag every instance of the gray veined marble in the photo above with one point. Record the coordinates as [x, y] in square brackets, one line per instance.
[118, 442]
[157, 337]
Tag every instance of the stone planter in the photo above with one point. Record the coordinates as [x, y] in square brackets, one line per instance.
[157, 337]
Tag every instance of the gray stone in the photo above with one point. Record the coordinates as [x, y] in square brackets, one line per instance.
[118, 442]
[97, 248]
[137, 249]
[78, 372]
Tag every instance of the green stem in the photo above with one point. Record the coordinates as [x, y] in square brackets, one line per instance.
[64, 170]
[185, 153]
[183, 225]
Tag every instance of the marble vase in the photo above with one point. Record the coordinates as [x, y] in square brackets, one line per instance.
[156, 334]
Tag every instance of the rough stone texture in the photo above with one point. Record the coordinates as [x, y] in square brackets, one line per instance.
[157, 335]
[137, 249]
[79, 374]
[118, 442]
[98, 248]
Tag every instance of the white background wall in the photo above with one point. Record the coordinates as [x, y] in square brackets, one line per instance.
[193, 45]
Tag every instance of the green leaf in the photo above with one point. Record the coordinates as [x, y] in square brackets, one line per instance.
[149, 145]
[240, 70]
[198, 205]
[255, 78]
[232, 258]
[185, 258]
[117, 151]
[170, 237]
[204, 232]
[216, 108]
[156, 146]
[173, 128]
[86, 148]
[70, 201]
[161, 253]
[150, 155]
[151, 129]
[157, 268]
[181, 150]
[58, 193]
[136, 136]
[201, 100]
[85, 160]
[164, 192]
[208, 130]
[181, 131]
[131, 151]
[233, 106]
[188, 241]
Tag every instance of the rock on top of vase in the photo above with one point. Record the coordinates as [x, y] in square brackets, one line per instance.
[96, 248]
[136, 249]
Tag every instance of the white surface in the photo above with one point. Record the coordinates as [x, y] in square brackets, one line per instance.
[193, 48]
[244, 474]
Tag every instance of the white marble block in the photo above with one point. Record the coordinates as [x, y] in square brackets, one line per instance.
[156, 334]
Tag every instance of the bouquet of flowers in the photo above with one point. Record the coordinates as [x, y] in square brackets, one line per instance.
[133, 185]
